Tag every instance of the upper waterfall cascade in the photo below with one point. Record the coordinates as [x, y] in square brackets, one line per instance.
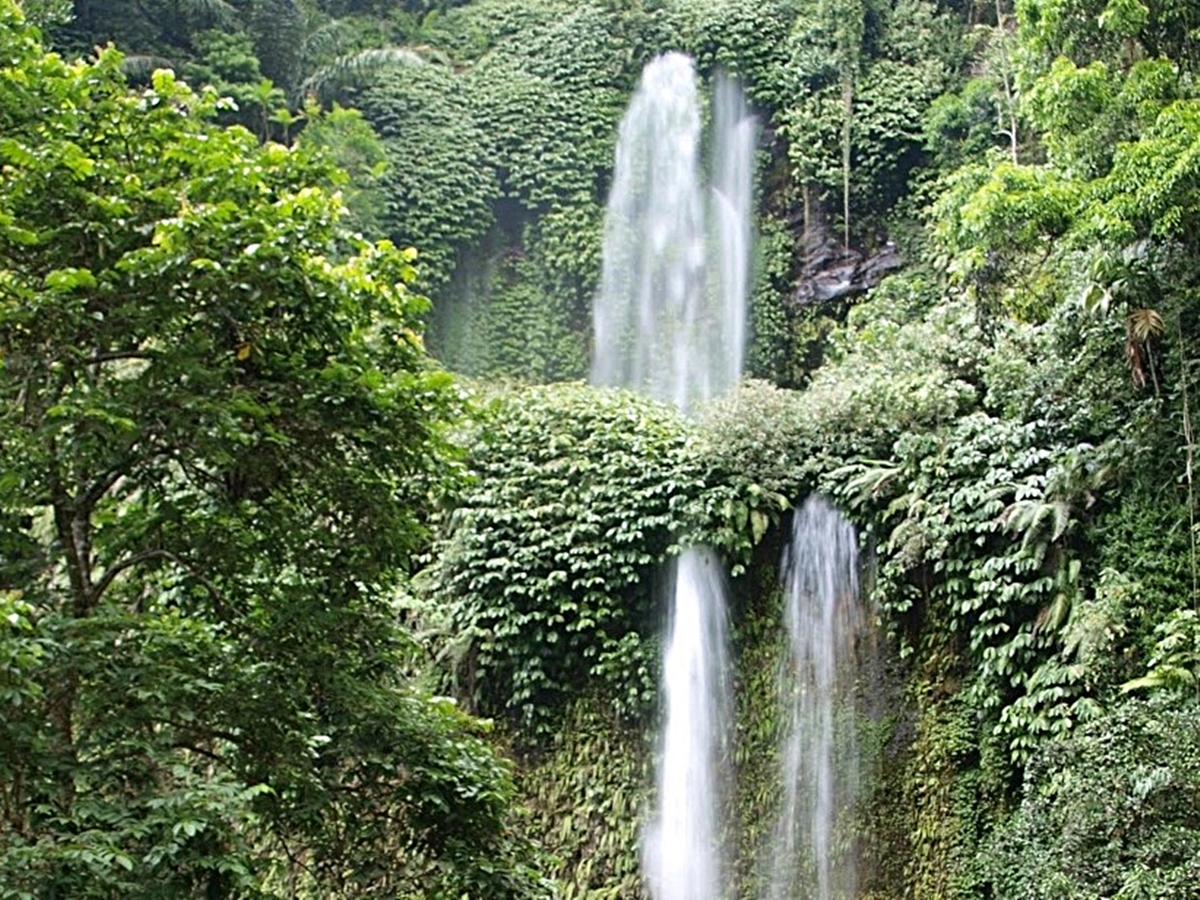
[670, 314]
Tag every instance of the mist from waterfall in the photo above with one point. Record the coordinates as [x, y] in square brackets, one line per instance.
[813, 855]
[670, 322]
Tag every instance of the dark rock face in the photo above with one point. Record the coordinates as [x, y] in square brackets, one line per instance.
[836, 273]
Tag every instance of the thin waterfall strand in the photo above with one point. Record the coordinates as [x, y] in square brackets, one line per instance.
[735, 133]
[680, 857]
[813, 856]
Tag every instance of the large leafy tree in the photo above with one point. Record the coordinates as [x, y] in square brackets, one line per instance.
[218, 431]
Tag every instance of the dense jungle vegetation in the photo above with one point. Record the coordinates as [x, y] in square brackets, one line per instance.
[293, 606]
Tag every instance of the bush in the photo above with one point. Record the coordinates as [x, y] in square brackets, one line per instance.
[1112, 811]
[548, 562]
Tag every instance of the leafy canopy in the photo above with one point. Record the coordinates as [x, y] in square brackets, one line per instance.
[219, 433]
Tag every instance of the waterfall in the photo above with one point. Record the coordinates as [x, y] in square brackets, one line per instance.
[734, 136]
[669, 322]
[814, 856]
[680, 859]
[670, 316]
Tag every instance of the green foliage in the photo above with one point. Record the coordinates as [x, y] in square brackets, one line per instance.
[992, 219]
[1146, 539]
[521, 299]
[1118, 183]
[960, 126]
[1109, 31]
[471, 30]
[758, 437]
[354, 147]
[860, 78]
[543, 102]
[1109, 812]
[227, 63]
[355, 68]
[587, 796]
[1027, 500]
[205, 424]
[744, 38]
[1175, 662]
[45, 14]
[1103, 217]
[498, 319]
[976, 470]
[549, 106]
[549, 561]
[910, 373]
[767, 357]
[1023, 483]
[439, 189]
[951, 788]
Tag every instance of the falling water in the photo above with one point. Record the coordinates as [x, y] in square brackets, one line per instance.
[813, 857]
[669, 318]
[681, 861]
[669, 322]
[734, 136]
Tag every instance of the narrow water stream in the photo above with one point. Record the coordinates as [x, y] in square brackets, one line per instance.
[813, 856]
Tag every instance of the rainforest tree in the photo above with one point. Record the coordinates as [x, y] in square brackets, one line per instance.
[219, 434]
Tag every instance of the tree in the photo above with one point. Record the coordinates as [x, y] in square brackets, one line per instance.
[219, 432]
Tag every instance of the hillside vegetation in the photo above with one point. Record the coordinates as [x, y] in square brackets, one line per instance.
[293, 607]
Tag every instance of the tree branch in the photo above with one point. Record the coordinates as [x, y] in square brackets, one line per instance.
[89, 498]
[105, 581]
[97, 358]
[211, 754]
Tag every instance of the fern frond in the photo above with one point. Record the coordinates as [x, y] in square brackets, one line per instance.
[1161, 677]
[1039, 521]
[866, 479]
[1054, 615]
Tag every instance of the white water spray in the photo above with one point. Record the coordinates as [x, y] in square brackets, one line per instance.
[680, 858]
[670, 316]
[820, 759]
[669, 322]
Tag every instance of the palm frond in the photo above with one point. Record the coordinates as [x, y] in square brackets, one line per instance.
[1145, 324]
[210, 9]
[1141, 326]
[352, 68]
[327, 39]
